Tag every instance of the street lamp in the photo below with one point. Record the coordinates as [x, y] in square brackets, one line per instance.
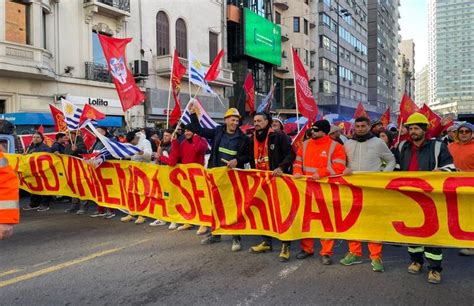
[340, 13]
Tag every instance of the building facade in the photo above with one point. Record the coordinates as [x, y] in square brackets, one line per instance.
[406, 69]
[188, 26]
[50, 49]
[346, 22]
[422, 86]
[298, 30]
[383, 40]
[451, 42]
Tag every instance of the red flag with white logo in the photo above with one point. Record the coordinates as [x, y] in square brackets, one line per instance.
[88, 137]
[114, 51]
[304, 97]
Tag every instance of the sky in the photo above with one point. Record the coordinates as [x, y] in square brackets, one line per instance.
[414, 25]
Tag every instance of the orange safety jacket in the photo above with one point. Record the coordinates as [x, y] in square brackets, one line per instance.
[323, 155]
[9, 193]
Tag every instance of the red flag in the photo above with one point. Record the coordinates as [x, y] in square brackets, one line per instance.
[304, 98]
[407, 107]
[360, 111]
[297, 140]
[178, 71]
[385, 119]
[213, 71]
[88, 137]
[114, 51]
[41, 129]
[58, 117]
[89, 112]
[250, 91]
[435, 128]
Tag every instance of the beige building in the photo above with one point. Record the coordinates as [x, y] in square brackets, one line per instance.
[195, 26]
[422, 86]
[49, 48]
[406, 69]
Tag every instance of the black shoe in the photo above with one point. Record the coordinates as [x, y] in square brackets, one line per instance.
[29, 207]
[211, 239]
[71, 210]
[326, 260]
[303, 255]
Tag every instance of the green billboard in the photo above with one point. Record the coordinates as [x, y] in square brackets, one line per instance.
[262, 38]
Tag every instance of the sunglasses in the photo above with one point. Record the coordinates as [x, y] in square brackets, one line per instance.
[464, 131]
[315, 129]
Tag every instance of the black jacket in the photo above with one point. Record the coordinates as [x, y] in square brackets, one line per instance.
[426, 156]
[280, 152]
[244, 154]
[57, 147]
[36, 148]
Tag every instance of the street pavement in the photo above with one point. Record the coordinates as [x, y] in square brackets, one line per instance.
[56, 258]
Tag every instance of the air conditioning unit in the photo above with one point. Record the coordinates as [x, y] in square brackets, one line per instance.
[140, 68]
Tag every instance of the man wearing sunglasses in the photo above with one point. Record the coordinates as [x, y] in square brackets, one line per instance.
[318, 157]
[462, 151]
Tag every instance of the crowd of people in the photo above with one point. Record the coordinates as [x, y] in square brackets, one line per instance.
[266, 145]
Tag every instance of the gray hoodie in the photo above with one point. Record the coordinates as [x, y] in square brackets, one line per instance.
[372, 155]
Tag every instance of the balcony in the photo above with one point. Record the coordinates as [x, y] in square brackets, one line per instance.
[163, 64]
[20, 60]
[284, 33]
[97, 72]
[282, 5]
[112, 8]
[284, 66]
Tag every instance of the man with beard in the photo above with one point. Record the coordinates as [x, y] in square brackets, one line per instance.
[366, 153]
[420, 153]
[272, 151]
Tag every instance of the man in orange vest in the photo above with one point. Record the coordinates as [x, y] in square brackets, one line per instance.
[9, 198]
[318, 157]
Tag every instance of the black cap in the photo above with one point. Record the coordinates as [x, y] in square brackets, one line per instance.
[323, 125]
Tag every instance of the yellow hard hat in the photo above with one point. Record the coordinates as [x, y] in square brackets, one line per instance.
[232, 112]
[417, 118]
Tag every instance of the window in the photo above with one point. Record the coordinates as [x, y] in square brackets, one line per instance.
[44, 27]
[306, 26]
[296, 24]
[162, 34]
[97, 53]
[213, 46]
[17, 22]
[277, 18]
[181, 38]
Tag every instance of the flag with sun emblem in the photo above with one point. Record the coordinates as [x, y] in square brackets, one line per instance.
[72, 114]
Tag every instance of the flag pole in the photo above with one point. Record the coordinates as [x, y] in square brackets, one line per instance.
[169, 92]
[294, 82]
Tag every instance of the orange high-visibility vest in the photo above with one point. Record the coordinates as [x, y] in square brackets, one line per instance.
[323, 155]
[9, 193]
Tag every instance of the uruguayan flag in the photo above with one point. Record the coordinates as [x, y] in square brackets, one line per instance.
[116, 149]
[72, 114]
[204, 119]
[197, 73]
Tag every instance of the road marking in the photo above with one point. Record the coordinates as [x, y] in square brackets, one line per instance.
[63, 265]
[9, 272]
[284, 273]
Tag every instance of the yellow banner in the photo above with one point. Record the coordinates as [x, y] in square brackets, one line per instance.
[402, 207]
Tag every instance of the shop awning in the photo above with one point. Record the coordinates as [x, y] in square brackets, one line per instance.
[47, 119]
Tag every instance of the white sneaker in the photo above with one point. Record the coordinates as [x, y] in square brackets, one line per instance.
[236, 245]
[157, 223]
[173, 226]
